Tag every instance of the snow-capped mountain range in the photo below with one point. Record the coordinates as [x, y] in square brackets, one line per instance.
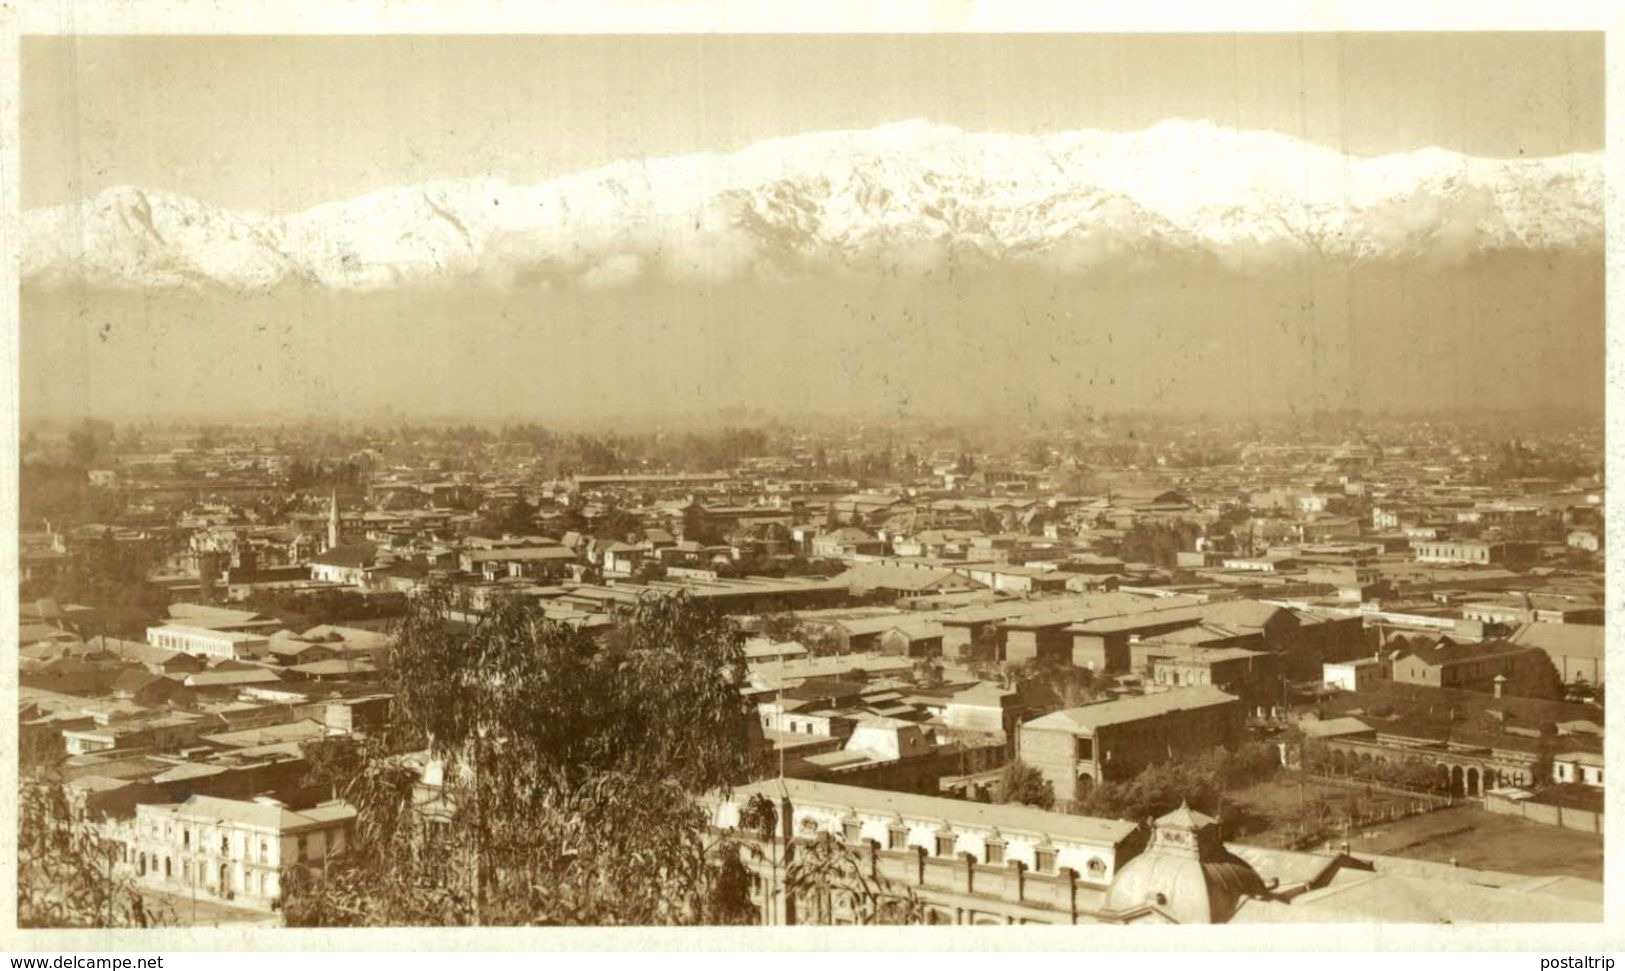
[907, 196]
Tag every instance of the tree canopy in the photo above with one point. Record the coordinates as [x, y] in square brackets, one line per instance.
[66, 869]
[572, 770]
[1197, 780]
[1024, 784]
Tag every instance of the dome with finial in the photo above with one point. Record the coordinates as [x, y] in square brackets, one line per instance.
[1185, 872]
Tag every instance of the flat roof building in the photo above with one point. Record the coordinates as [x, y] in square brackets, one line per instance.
[207, 643]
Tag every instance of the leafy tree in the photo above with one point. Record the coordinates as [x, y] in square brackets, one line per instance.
[821, 640]
[110, 575]
[39, 752]
[572, 772]
[67, 874]
[984, 646]
[1157, 543]
[88, 443]
[828, 880]
[1024, 784]
[779, 627]
[617, 525]
[1198, 780]
[927, 673]
[50, 491]
[826, 876]
[518, 517]
[649, 571]
[1050, 684]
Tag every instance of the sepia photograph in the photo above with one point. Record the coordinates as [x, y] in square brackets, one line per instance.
[770, 480]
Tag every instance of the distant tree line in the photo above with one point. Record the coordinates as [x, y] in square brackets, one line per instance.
[324, 474]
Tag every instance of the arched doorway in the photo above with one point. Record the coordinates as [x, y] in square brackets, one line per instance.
[1474, 783]
[1458, 781]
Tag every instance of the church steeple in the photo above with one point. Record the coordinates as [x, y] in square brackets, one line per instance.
[333, 520]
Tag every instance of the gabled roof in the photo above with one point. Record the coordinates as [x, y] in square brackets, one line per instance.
[1089, 717]
[1573, 640]
[1244, 613]
[133, 681]
[206, 615]
[219, 679]
[982, 692]
[354, 555]
[1446, 651]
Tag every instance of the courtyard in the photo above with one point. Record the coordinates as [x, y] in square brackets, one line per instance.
[1294, 810]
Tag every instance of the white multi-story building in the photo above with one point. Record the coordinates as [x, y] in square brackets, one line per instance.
[993, 835]
[233, 849]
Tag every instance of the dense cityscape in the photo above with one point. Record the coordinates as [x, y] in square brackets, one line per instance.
[1100, 668]
[953, 481]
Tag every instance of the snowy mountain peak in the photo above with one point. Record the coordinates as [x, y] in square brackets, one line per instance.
[909, 194]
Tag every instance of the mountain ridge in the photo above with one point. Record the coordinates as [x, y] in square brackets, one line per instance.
[910, 197]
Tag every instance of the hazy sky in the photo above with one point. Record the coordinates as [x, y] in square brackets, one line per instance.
[286, 122]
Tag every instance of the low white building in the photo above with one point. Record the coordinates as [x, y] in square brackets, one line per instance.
[1586, 540]
[1584, 768]
[1355, 675]
[208, 643]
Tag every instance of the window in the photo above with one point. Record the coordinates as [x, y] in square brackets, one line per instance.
[1046, 861]
[225, 844]
[945, 844]
[995, 852]
[262, 851]
[850, 830]
[1085, 749]
[302, 847]
[896, 838]
[186, 838]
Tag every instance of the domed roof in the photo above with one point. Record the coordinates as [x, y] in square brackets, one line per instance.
[1186, 872]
